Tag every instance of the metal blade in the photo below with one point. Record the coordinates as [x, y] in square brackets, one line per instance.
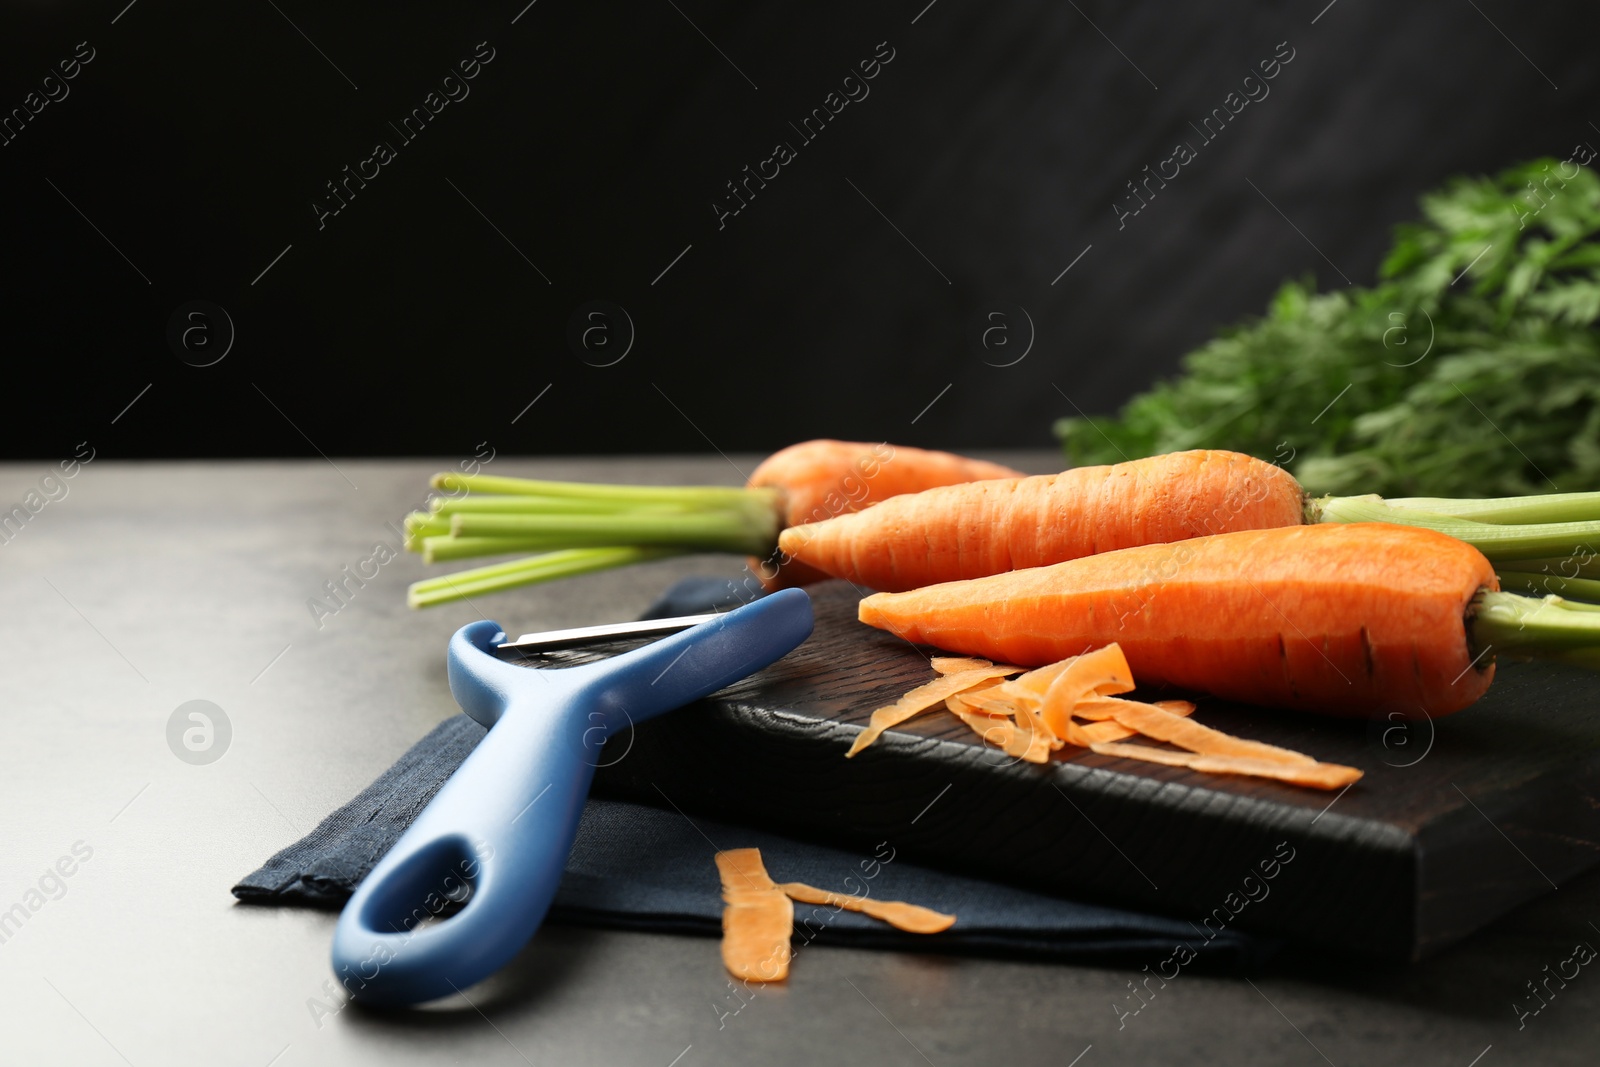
[585, 635]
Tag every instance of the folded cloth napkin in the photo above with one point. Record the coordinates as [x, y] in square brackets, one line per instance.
[640, 867]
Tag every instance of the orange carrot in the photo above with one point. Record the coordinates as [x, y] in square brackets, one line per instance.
[1347, 619]
[989, 527]
[992, 526]
[821, 479]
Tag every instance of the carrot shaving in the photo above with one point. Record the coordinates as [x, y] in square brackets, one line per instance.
[1103, 728]
[912, 918]
[921, 699]
[968, 701]
[988, 704]
[1075, 735]
[1096, 733]
[1003, 734]
[1314, 775]
[1172, 757]
[758, 915]
[1161, 725]
[1039, 712]
[1026, 715]
[1037, 681]
[757, 918]
[957, 664]
[741, 868]
[1034, 742]
[1101, 672]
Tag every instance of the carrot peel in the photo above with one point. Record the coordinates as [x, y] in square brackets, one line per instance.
[912, 918]
[1038, 712]
[758, 915]
[921, 699]
[1162, 725]
[1313, 774]
[957, 664]
[757, 918]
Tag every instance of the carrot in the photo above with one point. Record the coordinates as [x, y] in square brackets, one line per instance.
[823, 478]
[579, 528]
[989, 527]
[1345, 619]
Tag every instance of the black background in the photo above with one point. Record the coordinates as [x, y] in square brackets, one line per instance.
[597, 140]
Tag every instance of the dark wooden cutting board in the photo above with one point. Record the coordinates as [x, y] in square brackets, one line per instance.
[1457, 820]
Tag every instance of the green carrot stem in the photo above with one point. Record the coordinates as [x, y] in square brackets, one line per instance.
[702, 496]
[1587, 589]
[1584, 565]
[446, 548]
[708, 531]
[1546, 507]
[541, 505]
[1548, 628]
[418, 521]
[551, 565]
[1497, 541]
[419, 525]
[487, 571]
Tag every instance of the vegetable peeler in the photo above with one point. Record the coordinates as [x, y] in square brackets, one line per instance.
[494, 841]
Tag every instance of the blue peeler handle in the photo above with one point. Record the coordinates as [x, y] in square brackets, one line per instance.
[494, 840]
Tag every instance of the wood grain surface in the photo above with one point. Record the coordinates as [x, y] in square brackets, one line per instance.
[1457, 820]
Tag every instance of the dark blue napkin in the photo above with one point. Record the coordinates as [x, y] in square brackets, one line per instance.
[648, 868]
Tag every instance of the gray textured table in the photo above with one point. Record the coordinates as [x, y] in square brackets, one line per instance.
[147, 586]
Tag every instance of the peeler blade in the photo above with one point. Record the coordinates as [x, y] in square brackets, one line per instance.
[584, 635]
